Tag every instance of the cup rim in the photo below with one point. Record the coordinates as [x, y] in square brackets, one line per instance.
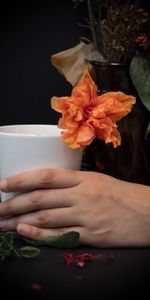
[29, 134]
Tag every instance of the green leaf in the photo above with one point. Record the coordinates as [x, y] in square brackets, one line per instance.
[67, 240]
[140, 75]
[6, 245]
[6, 239]
[28, 252]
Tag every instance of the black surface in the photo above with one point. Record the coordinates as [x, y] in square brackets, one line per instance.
[126, 276]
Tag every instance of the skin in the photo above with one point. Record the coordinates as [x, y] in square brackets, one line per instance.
[107, 212]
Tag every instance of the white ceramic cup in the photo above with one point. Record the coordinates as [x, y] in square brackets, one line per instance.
[26, 147]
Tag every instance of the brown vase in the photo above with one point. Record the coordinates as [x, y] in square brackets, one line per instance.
[130, 161]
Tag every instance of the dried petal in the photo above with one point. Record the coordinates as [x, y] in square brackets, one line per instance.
[86, 116]
[68, 257]
[80, 264]
[81, 259]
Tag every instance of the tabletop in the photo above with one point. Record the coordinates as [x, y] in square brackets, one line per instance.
[47, 276]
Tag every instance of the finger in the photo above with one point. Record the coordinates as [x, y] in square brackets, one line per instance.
[39, 179]
[36, 233]
[51, 218]
[36, 200]
[85, 238]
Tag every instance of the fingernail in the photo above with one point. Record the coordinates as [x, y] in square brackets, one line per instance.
[22, 228]
[3, 224]
[3, 184]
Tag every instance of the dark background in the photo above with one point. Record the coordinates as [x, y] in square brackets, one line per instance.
[30, 32]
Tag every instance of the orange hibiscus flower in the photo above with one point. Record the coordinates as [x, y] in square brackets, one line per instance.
[86, 116]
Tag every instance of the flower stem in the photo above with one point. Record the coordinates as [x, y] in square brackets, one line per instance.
[92, 27]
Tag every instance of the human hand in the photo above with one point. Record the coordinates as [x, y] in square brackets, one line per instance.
[104, 210]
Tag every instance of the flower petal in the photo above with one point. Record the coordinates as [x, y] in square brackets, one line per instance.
[80, 137]
[106, 130]
[70, 137]
[85, 135]
[85, 115]
[116, 105]
[59, 104]
[85, 90]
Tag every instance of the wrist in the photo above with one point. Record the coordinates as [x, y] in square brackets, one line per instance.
[138, 202]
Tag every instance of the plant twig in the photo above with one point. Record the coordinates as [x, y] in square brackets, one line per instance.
[92, 27]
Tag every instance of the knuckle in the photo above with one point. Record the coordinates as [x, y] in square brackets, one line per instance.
[43, 218]
[7, 208]
[11, 224]
[38, 234]
[37, 198]
[47, 176]
[14, 182]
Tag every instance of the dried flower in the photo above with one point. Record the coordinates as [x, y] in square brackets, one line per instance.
[115, 27]
[120, 34]
[86, 116]
[80, 260]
